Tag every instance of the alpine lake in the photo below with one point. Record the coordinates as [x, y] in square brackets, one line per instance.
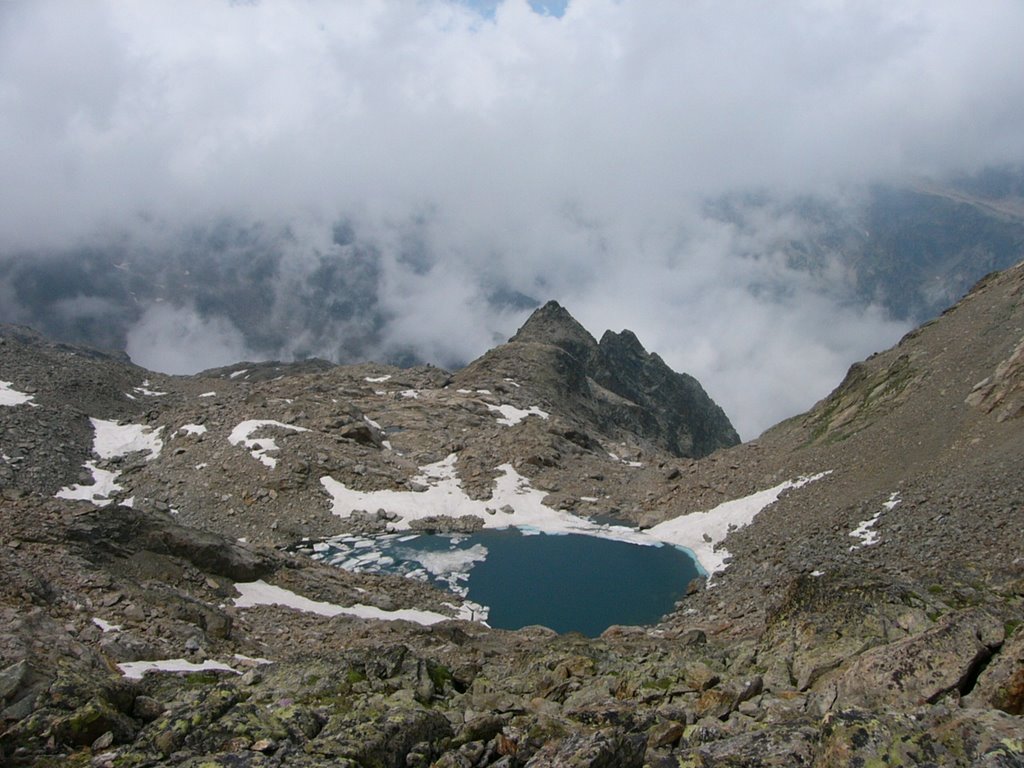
[515, 578]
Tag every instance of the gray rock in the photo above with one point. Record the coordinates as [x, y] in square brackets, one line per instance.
[12, 678]
[923, 668]
[604, 749]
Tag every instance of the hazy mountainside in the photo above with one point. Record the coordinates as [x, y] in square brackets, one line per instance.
[912, 249]
[868, 616]
[265, 290]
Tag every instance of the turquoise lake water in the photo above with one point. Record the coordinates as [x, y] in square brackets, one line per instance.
[570, 583]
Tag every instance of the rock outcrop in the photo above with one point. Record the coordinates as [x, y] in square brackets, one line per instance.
[613, 386]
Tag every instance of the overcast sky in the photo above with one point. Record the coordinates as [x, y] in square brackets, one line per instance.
[563, 151]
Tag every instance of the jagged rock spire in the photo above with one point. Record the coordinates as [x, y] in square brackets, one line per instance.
[617, 385]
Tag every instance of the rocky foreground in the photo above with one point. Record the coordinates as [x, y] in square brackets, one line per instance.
[869, 617]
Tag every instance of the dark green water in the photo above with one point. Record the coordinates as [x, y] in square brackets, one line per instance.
[576, 583]
[569, 583]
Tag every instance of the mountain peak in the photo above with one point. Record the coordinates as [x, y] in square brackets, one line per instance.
[552, 324]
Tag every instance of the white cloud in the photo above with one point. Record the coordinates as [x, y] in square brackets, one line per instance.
[179, 340]
[559, 157]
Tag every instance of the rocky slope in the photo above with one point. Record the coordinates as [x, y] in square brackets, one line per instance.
[865, 617]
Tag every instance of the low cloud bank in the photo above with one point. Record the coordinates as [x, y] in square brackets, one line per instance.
[351, 180]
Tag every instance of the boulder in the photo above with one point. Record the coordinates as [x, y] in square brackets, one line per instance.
[609, 748]
[923, 668]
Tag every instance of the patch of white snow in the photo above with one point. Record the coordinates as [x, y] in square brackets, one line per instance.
[699, 532]
[524, 509]
[255, 593]
[11, 397]
[134, 670]
[259, 447]
[378, 379]
[252, 661]
[510, 415]
[113, 439]
[193, 429]
[143, 390]
[866, 530]
[104, 485]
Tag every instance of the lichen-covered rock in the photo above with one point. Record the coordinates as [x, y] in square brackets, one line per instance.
[921, 737]
[381, 735]
[1001, 684]
[820, 622]
[603, 749]
[923, 668]
[775, 747]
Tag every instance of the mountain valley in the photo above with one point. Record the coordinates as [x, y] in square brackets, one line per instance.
[865, 560]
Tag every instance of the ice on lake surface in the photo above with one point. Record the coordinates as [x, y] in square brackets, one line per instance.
[570, 583]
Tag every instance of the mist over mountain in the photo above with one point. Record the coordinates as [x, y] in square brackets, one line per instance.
[405, 183]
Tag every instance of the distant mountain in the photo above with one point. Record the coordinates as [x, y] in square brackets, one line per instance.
[615, 385]
[912, 249]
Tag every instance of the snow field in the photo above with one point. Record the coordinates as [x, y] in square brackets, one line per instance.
[698, 532]
[255, 593]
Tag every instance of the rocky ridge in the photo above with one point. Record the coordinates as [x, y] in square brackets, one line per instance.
[813, 646]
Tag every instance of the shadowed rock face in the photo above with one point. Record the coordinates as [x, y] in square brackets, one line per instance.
[630, 389]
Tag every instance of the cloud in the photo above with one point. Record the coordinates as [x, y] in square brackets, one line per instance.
[506, 152]
[179, 340]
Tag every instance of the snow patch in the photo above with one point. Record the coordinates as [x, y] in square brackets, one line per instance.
[9, 396]
[411, 394]
[444, 496]
[104, 485]
[143, 390]
[134, 670]
[113, 439]
[260, 447]
[616, 457]
[193, 429]
[377, 379]
[236, 374]
[699, 532]
[208, 394]
[510, 415]
[866, 530]
[255, 593]
[106, 626]
[252, 661]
